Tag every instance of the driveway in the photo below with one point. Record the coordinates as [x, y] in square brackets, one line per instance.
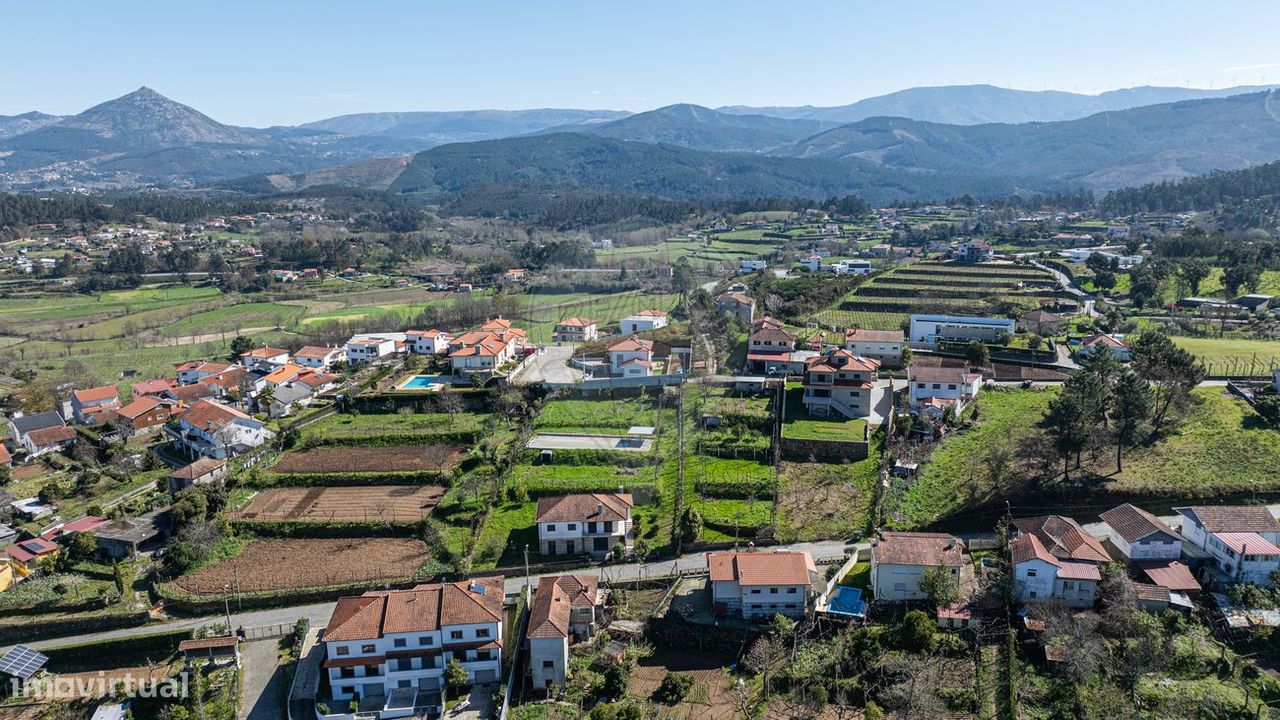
[551, 364]
[263, 687]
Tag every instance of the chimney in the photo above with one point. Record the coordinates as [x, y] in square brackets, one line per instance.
[599, 508]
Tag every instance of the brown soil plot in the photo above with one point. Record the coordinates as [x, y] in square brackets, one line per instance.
[375, 503]
[292, 564]
[395, 458]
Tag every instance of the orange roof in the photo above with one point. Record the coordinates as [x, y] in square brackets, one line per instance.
[498, 323]
[918, 548]
[425, 333]
[51, 435]
[423, 608]
[651, 312]
[557, 595]
[141, 406]
[314, 351]
[223, 641]
[760, 568]
[576, 321]
[630, 344]
[1172, 574]
[1064, 538]
[105, 392]
[865, 335]
[264, 352]
[284, 374]
[209, 414]
[766, 322]
[5, 458]
[737, 297]
[1028, 547]
[587, 507]
[472, 337]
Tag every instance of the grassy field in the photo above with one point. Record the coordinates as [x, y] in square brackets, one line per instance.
[1223, 354]
[602, 416]
[353, 428]
[1221, 447]
[800, 425]
[544, 311]
[827, 500]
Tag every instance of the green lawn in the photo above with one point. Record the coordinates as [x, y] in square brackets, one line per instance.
[1227, 354]
[800, 425]
[597, 415]
[354, 427]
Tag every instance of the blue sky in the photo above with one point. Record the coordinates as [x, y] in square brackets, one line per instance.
[281, 62]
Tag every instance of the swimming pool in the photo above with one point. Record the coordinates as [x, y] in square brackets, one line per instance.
[420, 382]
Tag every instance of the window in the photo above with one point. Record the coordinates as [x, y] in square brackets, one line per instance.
[1031, 594]
[551, 528]
[368, 649]
[791, 591]
[482, 632]
[404, 664]
[937, 386]
[773, 591]
[1031, 573]
[401, 642]
[426, 641]
[404, 684]
[1068, 585]
[482, 655]
[755, 591]
[455, 634]
[571, 527]
[345, 689]
[548, 664]
[951, 387]
[899, 587]
[919, 386]
[343, 650]
[347, 672]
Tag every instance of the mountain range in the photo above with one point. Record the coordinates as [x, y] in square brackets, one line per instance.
[687, 151]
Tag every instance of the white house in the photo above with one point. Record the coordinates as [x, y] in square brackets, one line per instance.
[591, 523]
[319, 356]
[883, 345]
[197, 370]
[1039, 576]
[849, 267]
[390, 648]
[973, 251]
[565, 610]
[39, 433]
[900, 559]
[838, 382]
[1139, 535]
[576, 330]
[90, 405]
[1242, 539]
[482, 357]
[769, 346]
[1114, 344]
[427, 342]
[369, 349]
[214, 430]
[932, 389]
[759, 585]
[643, 321]
[927, 330]
[264, 358]
[630, 357]
[748, 266]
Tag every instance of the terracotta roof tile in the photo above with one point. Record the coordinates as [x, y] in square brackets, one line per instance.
[918, 548]
[423, 608]
[760, 568]
[597, 507]
[1133, 523]
[1234, 518]
[106, 392]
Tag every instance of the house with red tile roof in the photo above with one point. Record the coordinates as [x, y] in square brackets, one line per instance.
[736, 304]
[883, 345]
[265, 358]
[932, 389]
[757, 585]
[838, 383]
[91, 405]
[394, 645]
[1139, 535]
[1243, 540]
[322, 357]
[211, 429]
[427, 342]
[591, 523]
[369, 349]
[190, 372]
[564, 611]
[900, 559]
[630, 357]
[769, 346]
[576, 330]
[1041, 576]
[151, 387]
[1114, 344]
[26, 555]
[142, 414]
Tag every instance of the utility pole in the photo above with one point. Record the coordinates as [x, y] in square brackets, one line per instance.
[226, 606]
[679, 531]
[526, 571]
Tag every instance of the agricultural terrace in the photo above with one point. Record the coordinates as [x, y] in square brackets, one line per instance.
[1221, 447]
[373, 503]
[887, 300]
[540, 312]
[726, 247]
[285, 565]
[390, 459]
[1233, 356]
[400, 428]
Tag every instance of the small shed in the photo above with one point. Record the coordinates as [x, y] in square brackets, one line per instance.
[127, 537]
[220, 650]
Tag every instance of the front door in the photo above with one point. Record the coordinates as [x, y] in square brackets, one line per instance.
[602, 544]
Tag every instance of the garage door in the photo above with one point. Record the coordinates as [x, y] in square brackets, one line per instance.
[484, 677]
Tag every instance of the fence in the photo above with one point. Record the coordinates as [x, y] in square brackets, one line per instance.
[266, 632]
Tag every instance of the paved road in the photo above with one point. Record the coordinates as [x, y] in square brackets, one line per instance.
[1065, 282]
[318, 613]
[550, 365]
[263, 686]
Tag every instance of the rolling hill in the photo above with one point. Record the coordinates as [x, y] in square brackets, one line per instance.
[439, 128]
[11, 125]
[979, 104]
[701, 128]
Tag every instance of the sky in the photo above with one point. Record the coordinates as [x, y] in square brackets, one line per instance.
[283, 62]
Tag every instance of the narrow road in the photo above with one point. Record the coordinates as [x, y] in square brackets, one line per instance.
[262, 692]
[318, 613]
[1086, 303]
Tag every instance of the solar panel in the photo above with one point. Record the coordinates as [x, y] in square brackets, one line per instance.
[22, 662]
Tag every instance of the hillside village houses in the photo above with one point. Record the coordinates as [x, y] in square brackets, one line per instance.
[630, 357]
[211, 429]
[93, 405]
[1241, 540]
[643, 321]
[364, 349]
[973, 251]
[427, 342]
[575, 330]
[757, 585]
[389, 649]
[1054, 559]
[264, 358]
[932, 389]
[883, 345]
[837, 382]
[40, 433]
[926, 331]
[142, 414]
[731, 304]
[900, 559]
[769, 347]
[592, 524]
[564, 611]
[319, 356]
[1102, 342]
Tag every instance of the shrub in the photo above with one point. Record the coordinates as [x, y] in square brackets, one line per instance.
[673, 688]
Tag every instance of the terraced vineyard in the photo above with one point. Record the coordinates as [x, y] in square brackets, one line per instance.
[887, 301]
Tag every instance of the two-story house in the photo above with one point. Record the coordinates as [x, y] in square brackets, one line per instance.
[389, 649]
[837, 382]
[591, 523]
[142, 414]
[932, 389]
[973, 251]
[482, 357]
[900, 559]
[630, 357]
[264, 358]
[1242, 539]
[321, 357]
[91, 405]
[736, 304]
[1103, 342]
[39, 433]
[1139, 535]
[769, 347]
[427, 342]
[369, 349]
[759, 585]
[883, 345]
[564, 611]
[193, 371]
[211, 429]
[643, 321]
[1039, 576]
[576, 330]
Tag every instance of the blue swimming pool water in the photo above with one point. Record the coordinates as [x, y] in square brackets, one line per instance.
[421, 382]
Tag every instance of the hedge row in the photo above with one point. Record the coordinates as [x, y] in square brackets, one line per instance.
[455, 437]
[122, 652]
[560, 486]
[416, 477]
